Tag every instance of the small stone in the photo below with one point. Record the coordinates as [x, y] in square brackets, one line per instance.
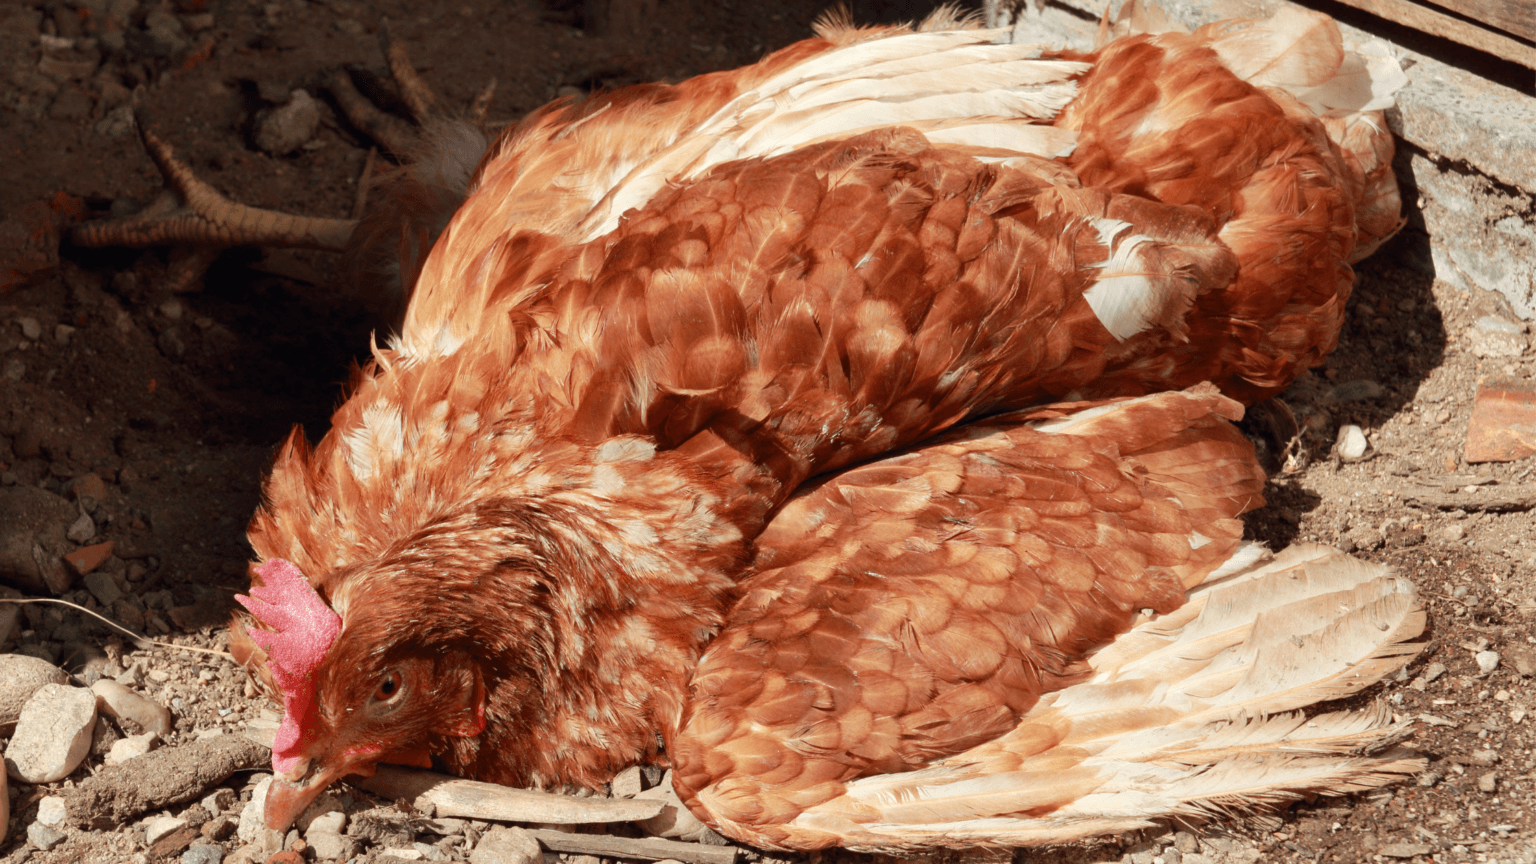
[333, 847]
[221, 828]
[44, 837]
[1185, 842]
[88, 487]
[162, 826]
[1428, 779]
[627, 783]
[88, 558]
[400, 852]
[1503, 424]
[103, 587]
[159, 676]
[1453, 533]
[220, 800]
[52, 735]
[290, 125]
[118, 701]
[320, 808]
[30, 328]
[1487, 661]
[1433, 671]
[172, 309]
[1352, 444]
[82, 529]
[206, 853]
[1488, 782]
[329, 822]
[20, 677]
[131, 747]
[250, 853]
[62, 332]
[51, 810]
[252, 827]
[504, 845]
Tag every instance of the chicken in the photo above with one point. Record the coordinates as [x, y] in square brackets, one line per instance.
[566, 510]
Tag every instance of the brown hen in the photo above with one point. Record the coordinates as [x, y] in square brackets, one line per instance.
[658, 315]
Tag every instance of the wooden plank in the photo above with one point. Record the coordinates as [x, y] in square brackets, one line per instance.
[650, 849]
[1512, 16]
[1440, 24]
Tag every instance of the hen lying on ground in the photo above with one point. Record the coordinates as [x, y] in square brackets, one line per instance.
[659, 314]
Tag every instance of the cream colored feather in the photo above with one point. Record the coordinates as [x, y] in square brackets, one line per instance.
[1188, 715]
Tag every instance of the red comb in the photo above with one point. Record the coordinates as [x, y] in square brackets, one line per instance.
[303, 629]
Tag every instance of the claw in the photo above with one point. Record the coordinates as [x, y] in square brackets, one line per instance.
[190, 211]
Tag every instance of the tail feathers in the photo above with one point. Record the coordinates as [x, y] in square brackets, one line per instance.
[1191, 714]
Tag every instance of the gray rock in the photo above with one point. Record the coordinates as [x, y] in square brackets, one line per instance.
[503, 845]
[53, 734]
[252, 828]
[30, 328]
[321, 808]
[102, 586]
[20, 677]
[290, 125]
[32, 541]
[627, 783]
[206, 853]
[45, 837]
[118, 701]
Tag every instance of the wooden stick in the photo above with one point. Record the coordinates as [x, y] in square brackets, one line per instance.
[471, 799]
[651, 849]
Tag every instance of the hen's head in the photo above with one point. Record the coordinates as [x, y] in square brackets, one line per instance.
[345, 711]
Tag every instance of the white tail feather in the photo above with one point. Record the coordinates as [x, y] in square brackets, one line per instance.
[1191, 714]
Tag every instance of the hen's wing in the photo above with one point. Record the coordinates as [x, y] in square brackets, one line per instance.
[917, 606]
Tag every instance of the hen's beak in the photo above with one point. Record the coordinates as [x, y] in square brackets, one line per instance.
[293, 791]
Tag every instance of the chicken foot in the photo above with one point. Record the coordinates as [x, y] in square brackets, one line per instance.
[199, 223]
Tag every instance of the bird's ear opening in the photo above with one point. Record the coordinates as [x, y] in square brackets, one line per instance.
[469, 719]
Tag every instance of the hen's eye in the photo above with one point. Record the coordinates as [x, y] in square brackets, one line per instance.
[389, 688]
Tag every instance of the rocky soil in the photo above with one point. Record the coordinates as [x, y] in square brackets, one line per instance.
[136, 422]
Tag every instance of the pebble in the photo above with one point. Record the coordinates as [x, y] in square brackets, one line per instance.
[1488, 782]
[1487, 661]
[103, 587]
[252, 829]
[118, 701]
[628, 782]
[62, 332]
[1453, 533]
[505, 845]
[30, 328]
[20, 677]
[82, 529]
[1403, 850]
[220, 800]
[1433, 671]
[88, 558]
[131, 747]
[333, 846]
[1352, 443]
[162, 826]
[329, 822]
[45, 837]
[1493, 336]
[220, 829]
[52, 735]
[51, 810]
[290, 125]
[207, 853]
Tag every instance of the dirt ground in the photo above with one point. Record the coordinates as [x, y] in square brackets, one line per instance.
[176, 401]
